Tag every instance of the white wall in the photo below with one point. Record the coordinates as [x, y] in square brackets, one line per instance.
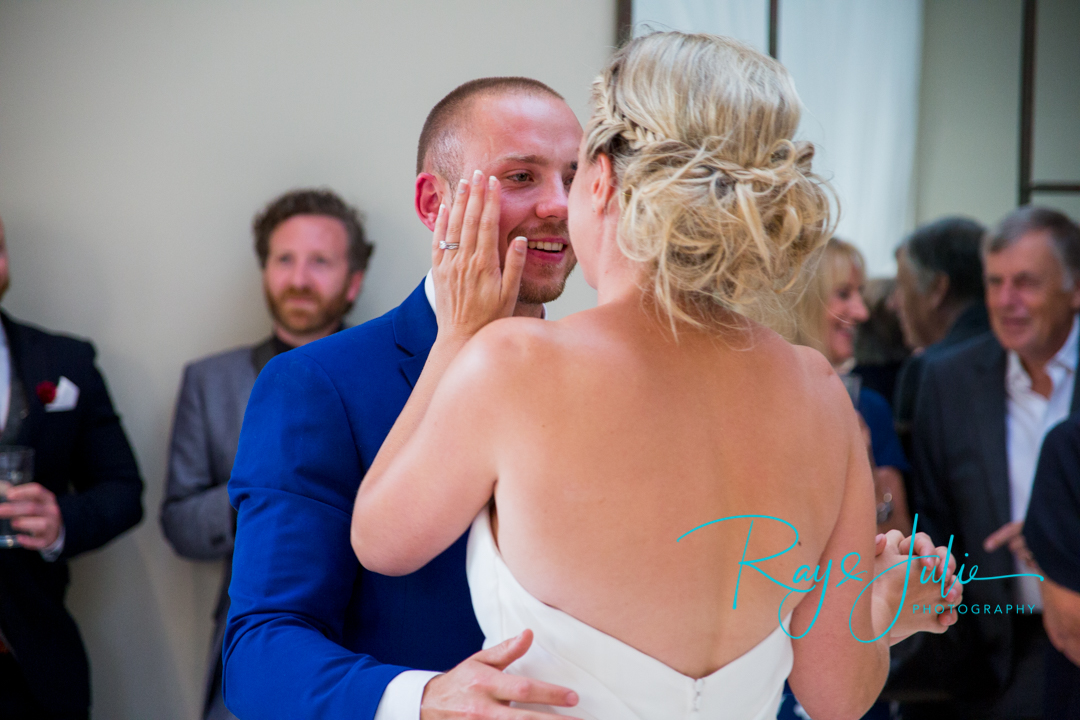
[855, 64]
[968, 150]
[1056, 136]
[137, 139]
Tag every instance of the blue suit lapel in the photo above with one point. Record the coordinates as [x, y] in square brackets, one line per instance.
[415, 329]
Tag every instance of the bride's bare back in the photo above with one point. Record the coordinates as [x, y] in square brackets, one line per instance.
[613, 440]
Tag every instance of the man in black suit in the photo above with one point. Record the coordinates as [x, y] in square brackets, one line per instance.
[983, 410]
[86, 491]
[939, 299]
[1052, 532]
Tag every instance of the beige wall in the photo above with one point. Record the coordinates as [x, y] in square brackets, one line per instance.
[1056, 155]
[969, 108]
[136, 141]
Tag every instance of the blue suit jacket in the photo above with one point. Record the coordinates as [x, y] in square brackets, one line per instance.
[310, 632]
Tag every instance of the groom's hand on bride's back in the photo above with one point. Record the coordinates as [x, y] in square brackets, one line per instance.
[478, 688]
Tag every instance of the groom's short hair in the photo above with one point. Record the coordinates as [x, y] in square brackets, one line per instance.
[439, 150]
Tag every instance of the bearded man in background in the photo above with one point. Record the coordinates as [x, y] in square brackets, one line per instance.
[313, 254]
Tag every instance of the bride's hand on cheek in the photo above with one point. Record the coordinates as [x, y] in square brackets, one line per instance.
[471, 289]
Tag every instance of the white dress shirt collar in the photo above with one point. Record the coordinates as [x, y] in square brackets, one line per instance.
[1067, 355]
[1059, 368]
[1028, 417]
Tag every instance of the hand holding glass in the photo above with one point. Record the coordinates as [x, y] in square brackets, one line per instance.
[16, 468]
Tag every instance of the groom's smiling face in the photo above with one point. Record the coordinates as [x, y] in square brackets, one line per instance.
[529, 142]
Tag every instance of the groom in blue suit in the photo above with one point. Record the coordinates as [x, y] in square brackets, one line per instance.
[311, 633]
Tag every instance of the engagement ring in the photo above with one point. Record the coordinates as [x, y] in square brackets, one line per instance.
[443, 245]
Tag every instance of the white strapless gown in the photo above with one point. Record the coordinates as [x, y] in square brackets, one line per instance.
[613, 680]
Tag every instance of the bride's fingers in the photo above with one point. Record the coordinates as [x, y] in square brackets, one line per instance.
[487, 237]
[925, 548]
[456, 216]
[470, 223]
[955, 593]
[940, 622]
[512, 269]
[439, 236]
[921, 547]
[893, 539]
[947, 619]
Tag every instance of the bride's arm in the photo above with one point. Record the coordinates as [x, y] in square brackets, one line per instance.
[419, 501]
[834, 675]
[419, 495]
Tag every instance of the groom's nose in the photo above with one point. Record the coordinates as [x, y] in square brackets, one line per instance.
[553, 199]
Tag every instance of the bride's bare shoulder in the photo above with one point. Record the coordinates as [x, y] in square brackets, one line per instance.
[508, 347]
[814, 366]
[513, 353]
[811, 375]
[516, 336]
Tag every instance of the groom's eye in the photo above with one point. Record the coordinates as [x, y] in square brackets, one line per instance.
[520, 177]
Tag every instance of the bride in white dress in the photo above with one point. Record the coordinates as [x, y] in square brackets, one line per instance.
[583, 452]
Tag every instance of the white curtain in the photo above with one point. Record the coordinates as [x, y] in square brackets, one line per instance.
[856, 66]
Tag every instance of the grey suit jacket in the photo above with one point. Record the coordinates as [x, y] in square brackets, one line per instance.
[196, 515]
[961, 488]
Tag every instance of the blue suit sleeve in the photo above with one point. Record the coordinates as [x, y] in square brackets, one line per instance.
[294, 572]
[883, 439]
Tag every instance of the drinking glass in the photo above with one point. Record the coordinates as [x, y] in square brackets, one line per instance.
[16, 468]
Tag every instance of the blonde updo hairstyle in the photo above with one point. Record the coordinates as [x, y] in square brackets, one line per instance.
[716, 200]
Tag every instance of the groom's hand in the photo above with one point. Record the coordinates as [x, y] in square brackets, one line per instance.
[479, 690]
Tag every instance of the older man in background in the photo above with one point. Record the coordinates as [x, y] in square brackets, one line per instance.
[86, 490]
[982, 412]
[939, 299]
[313, 252]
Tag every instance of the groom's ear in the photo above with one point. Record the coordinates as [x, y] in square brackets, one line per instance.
[428, 197]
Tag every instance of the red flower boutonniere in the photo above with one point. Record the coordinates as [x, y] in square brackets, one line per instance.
[46, 391]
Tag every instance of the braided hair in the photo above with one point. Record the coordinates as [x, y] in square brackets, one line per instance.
[716, 199]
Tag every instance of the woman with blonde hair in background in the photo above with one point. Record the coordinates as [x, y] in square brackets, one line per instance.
[617, 465]
[829, 311]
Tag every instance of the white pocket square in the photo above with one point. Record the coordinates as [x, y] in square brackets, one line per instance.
[67, 396]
